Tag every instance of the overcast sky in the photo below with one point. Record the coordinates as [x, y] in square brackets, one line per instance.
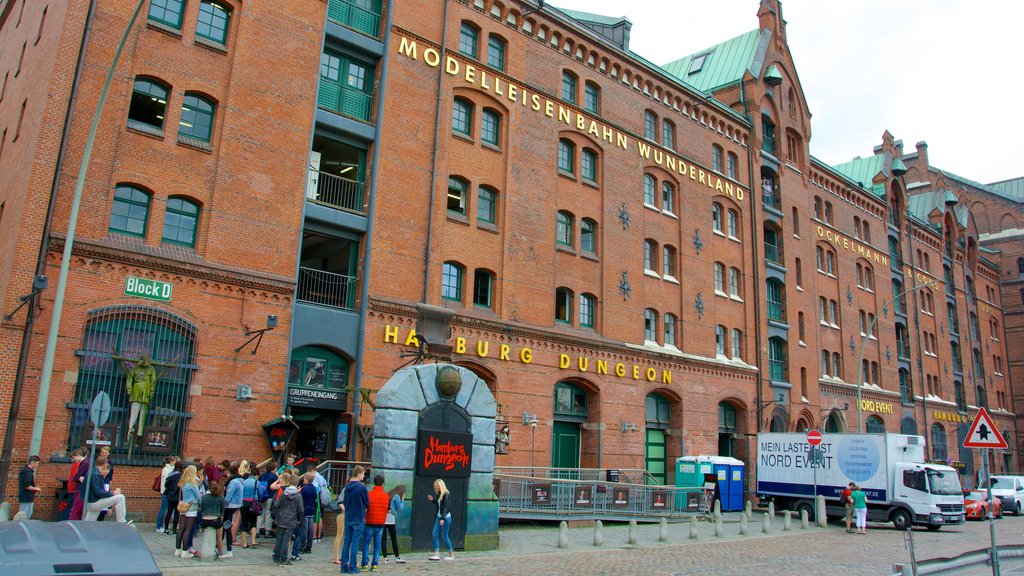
[944, 71]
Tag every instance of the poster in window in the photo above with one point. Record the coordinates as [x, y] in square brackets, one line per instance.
[563, 400]
[337, 377]
[341, 437]
[295, 372]
[316, 373]
[158, 439]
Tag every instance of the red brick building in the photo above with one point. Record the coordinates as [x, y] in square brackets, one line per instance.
[646, 261]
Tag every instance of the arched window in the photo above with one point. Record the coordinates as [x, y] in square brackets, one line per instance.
[720, 340]
[483, 287]
[213, 21]
[1020, 265]
[716, 217]
[668, 197]
[668, 261]
[588, 165]
[196, 118]
[735, 285]
[563, 228]
[736, 340]
[130, 211]
[490, 127]
[716, 158]
[588, 236]
[726, 428]
[495, 52]
[650, 125]
[777, 365]
[568, 87]
[167, 12]
[668, 135]
[468, 39]
[779, 421]
[649, 190]
[874, 425]
[180, 221]
[650, 255]
[588, 305]
[731, 166]
[670, 330]
[939, 442]
[451, 281]
[650, 325]
[563, 305]
[570, 400]
[658, 419]
[591, 97]
[148, 105]
[115, 339]
[772, 244]
[733, 224]
[317, 368]
[908, 425]
[486, 204]
[457, 190]
[719, 278]
[566, 156]
[462, 117]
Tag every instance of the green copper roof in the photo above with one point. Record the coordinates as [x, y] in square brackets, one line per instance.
[595, 18]
[772, 75]
[864, 170]
[922, 204]
[1012, 189]
[723, 64]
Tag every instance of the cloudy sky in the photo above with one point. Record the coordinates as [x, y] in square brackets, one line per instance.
[943, 71]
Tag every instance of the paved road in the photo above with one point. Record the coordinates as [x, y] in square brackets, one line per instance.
[528, 551]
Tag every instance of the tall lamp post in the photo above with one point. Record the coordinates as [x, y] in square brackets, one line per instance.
[65, 262]
[864, 340]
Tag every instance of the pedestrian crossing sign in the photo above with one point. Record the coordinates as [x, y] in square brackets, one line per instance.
[983, 433]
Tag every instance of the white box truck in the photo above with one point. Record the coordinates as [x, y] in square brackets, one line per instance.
[890, 468]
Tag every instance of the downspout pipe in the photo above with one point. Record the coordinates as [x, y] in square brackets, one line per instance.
[428, 247]
[364, 297]
[44, 246]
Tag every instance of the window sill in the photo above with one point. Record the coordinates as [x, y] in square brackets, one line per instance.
[456, 217]
[566, 249]
[589, 256]
[720, 293]
[717, 232]
[211, 44]
[669, 278]
[802, 344]
[590, 183]
[652, 274]
[160, 27]
[735, 298]
[492, 147]
[195, 143]
[735, 239]
[567, 175]
[799, 289]
[145, 129]
[488, 226]
[464, 137]
[651, 207]
[670, 214]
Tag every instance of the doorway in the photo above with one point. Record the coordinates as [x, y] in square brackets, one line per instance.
[444, 416]
[565, 445]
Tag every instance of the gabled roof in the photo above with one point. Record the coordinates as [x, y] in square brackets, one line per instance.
[1012, 189]
[863, 171]
[595, 18]
[922, 204]
[723, 63]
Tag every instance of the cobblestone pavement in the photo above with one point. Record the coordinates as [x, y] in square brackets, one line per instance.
[532, 550]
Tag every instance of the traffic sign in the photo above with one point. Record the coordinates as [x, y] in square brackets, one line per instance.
[100, 410]
[813, 437]
[983, 433]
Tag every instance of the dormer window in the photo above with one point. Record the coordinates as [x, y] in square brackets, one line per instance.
[698, 63]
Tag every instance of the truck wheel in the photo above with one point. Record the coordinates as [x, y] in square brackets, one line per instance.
[806, 506]
[901, 519]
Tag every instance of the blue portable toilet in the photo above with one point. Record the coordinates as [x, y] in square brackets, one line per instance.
[730, 475]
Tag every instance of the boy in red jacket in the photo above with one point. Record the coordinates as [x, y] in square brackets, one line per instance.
[376, 515]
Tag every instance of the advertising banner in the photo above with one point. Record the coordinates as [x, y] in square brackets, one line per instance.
[785, 464]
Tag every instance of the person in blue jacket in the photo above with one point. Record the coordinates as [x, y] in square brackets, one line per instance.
[356, 500]
[99, 498]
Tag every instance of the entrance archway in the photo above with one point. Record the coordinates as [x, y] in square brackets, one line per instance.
[571, 410]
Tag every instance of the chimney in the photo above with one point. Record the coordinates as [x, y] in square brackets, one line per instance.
[922, 153]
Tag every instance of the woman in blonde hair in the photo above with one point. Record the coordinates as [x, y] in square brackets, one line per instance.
[250, 502]
[443, 520]
[188, 507]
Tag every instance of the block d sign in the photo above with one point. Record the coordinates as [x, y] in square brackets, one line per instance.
[144, 288]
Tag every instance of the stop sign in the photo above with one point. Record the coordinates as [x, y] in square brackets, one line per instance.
[813, 437]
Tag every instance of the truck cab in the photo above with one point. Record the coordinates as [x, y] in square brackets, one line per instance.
[925, 495]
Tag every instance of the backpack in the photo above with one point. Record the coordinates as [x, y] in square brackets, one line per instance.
[261, 491]
[158, 483]
[843, 498]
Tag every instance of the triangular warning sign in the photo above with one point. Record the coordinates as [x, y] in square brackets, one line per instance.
[983, 433]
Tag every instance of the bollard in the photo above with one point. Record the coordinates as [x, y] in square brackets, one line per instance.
[771, 509]
[743, 525]
[718, 508]
[598, 533]
[718, 528]
[746, 510]
[693, 528]
[563, 534]
[208, 545]
[787, 521]
[820, 517]
[803, 519]
[663, 531]
[5, 511]
[766, 524]
[631, 538]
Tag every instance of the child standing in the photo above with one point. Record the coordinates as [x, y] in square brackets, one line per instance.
[396, 505]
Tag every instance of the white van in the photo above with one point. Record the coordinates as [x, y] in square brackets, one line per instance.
[1010, 490]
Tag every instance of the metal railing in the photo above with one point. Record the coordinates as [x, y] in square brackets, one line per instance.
[771, 197]
[336, 192]
[326, 288]
[353, 16]
[344, 100]
[772, 253]
[527, 497]
[627, 475]
[337, 472]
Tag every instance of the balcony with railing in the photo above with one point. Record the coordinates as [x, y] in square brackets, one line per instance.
[344, 99]
[771, 196]
[902, 348]
[326, 288]
[360, 15]
[336, 191]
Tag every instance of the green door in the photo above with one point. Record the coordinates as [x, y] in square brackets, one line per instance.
[565, 445]
[654, 450]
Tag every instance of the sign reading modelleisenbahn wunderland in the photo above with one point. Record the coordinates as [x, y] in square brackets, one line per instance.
[150, 289]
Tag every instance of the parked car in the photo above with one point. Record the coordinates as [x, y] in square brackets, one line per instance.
[976, 505]
[1010, 490]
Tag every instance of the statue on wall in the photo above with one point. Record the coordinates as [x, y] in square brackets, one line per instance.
[140, 385]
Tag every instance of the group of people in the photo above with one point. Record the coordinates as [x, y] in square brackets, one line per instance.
[90, 483]
[856, 502]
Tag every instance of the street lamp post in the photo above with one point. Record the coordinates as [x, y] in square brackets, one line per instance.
[863, 342]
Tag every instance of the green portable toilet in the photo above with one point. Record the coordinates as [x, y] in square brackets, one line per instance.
[690, 471]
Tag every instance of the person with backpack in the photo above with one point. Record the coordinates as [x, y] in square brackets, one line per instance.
[158, 485]
[172, 493]
[250, 505]
[288, 512]
[844, 499]
[264, 522]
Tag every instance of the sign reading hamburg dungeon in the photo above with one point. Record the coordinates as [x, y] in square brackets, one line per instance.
[444, 454]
